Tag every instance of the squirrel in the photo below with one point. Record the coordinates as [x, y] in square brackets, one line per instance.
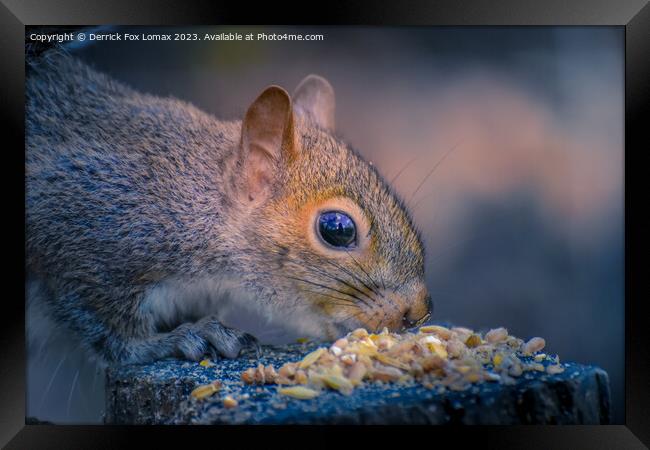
[139, 205]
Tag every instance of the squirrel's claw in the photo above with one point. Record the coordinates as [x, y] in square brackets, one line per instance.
[247, 343]
[250, 342]
[209, 336]
[213, 353]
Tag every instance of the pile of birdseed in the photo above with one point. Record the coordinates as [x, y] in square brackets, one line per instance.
[435, 356]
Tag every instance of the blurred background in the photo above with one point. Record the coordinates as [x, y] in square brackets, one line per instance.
[522, 221]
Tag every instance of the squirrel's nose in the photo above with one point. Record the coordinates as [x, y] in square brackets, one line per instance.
[403, 311]
[419, 313]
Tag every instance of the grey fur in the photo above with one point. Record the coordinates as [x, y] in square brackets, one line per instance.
[125, 191]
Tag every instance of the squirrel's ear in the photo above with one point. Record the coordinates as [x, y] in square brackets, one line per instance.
[267, 139]
[314, 97]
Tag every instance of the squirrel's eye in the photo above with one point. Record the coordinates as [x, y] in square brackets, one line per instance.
[337, 229]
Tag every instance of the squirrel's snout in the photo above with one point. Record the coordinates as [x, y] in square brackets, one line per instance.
[403, 312]
[417, 316]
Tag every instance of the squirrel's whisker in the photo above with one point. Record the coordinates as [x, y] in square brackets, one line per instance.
[323, 285]
[49, 384]
[344, 282]
[316, 269]
[328, 287]
[421, 201]
[365, 272]
[340, 267]
[433, 169]
[352, 274]
[74, 384]
[399, 172]
[350, 316]
[343, 305]
[347, 302]
[356, 277]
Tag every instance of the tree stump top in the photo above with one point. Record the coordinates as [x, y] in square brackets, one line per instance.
[159, 393]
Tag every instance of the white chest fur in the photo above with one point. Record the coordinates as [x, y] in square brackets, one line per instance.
[173, 302]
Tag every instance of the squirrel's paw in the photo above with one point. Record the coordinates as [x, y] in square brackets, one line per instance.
[208, 335]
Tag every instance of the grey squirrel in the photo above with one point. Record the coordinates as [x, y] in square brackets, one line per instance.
[138, 205]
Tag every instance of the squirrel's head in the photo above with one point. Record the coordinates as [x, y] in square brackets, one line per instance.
[324, 232]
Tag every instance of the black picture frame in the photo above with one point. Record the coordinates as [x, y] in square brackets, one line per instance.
[633, 15]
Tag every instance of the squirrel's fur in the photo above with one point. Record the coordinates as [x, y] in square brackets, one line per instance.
[127, 192]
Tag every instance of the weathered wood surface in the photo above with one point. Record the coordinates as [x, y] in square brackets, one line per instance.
[159, 394]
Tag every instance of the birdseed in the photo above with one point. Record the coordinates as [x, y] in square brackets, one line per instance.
[434, 356]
